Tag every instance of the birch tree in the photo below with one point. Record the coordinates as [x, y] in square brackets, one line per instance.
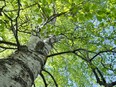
[57, 43]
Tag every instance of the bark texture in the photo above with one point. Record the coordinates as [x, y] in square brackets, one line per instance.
[22, 67]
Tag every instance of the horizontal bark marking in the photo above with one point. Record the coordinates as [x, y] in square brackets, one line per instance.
[38, 58]
[2, 64]
[25, 67]
[20, 80]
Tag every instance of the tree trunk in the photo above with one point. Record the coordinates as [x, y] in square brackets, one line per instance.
[22, 67]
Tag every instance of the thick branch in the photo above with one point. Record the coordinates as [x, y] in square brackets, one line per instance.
[16, 34]
[7, 47]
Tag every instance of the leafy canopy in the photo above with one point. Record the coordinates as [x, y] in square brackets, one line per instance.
[87, 29]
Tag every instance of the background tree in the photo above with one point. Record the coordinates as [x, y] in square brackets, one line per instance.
[84, 53]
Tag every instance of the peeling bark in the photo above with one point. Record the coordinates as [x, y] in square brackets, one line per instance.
[22, 67]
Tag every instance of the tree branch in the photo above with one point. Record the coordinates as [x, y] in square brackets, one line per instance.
[65, 52]
[51, 77]
[97, 54]
[1, 9]
[96, 76]
[103, 79]
[8, 43]
[80, 57]
[21, 8]
[45, 83]
[113, 83]
[16, 34]
[50, 19]
[15, 31]
[7, 47]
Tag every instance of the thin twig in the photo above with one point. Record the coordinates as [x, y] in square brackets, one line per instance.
[21, 8]
[51, 77]
[1, 9]
[50, 19]
[65, 52]
[97, 54]
[101, 75]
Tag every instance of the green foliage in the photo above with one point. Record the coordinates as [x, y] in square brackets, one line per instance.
[87, 24]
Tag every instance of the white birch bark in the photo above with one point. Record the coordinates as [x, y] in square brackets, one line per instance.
[21, 68]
